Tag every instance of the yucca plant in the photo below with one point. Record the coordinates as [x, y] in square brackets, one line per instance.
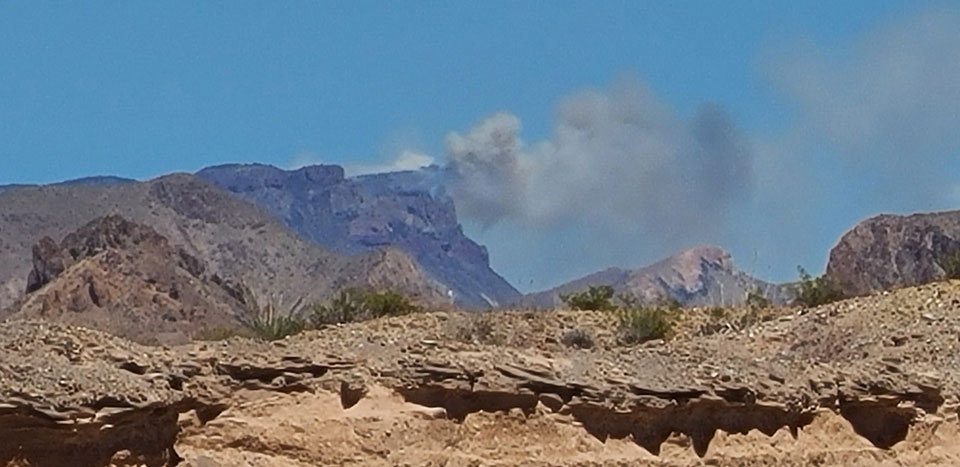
[270, 325]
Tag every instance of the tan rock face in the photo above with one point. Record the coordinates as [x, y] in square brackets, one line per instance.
[125, 278]
[868, 381]
[893, 251]
[233, 239]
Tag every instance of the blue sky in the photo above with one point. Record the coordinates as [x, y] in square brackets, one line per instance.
[140, 89]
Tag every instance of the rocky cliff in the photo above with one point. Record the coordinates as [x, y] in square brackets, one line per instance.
[692, 277]
[891, 251]
[125, 278]
[233, 238]
[350, 215]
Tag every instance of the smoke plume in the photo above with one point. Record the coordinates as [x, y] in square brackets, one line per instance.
[617, 160]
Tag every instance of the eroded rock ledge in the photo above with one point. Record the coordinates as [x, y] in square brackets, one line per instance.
[76, 397]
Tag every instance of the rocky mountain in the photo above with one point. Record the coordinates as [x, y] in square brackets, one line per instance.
[125, 278]
[358, 214]
[888, 251]
[692, 277]
[235, 239]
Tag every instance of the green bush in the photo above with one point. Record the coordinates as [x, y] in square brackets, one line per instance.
[270, 326]
[816, 291]
[351, 305]
[951, 265]
[388, 303]
[641, 324]
[595, 298]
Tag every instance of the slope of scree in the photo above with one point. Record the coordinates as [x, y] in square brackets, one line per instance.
[357, 214]
[866, 381]
[125, 278]
[235, 239]
[693, 277]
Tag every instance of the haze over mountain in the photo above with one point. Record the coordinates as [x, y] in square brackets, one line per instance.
[693, 277]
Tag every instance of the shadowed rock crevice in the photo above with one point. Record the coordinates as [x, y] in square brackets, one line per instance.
[882, 423]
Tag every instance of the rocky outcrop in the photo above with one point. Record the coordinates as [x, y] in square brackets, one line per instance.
[859, 382]
[693, 277]
[889, 251]
[233, 238]
[125, 278]
[404, 210]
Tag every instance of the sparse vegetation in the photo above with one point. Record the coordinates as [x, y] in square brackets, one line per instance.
[269, 324]
[479, 329]
[816, 291]
[595, 298]
[755, 300]
[717, 313]
[579, 338]
[640, 324]
[951, 264]
[350, 305]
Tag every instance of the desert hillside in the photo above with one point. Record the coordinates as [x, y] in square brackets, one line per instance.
[235, 239]
[866, 381]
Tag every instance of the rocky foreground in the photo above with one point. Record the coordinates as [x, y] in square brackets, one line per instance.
[868, 381]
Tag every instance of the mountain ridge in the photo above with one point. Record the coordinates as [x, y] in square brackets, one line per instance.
[403, 209]
[702, 275]
[235, 238]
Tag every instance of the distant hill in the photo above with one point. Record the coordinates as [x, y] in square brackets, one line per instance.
[889, 251]
[125, 278]
[358, 214]
[235, 239]
[693, 277]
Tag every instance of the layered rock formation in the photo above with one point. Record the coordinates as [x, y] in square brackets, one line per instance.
[892, 251]
[125, 278]
[350, 215]
[696, 276]
[860, 382]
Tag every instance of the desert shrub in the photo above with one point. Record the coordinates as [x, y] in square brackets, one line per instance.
[641, 324]
[345, 307]
[267, 323]
[479, 328]
[578, 338]
[669, 303]
[595, 298]
[756, 299]
[717, 313]
[388, 303]
[350, 305]
[816, 291]
[951, 265]
[270, 326]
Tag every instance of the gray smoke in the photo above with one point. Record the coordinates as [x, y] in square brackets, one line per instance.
[888, 104]
[618, 161]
